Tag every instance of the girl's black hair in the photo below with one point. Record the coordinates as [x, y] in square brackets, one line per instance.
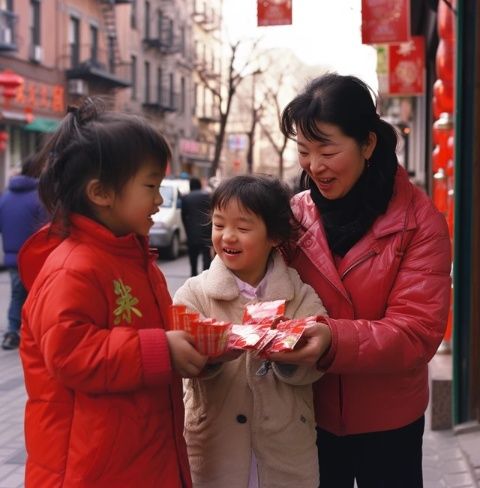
[266, 197]
[348, 103]
[92, 143]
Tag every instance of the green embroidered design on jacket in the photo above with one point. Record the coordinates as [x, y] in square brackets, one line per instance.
[126, 303]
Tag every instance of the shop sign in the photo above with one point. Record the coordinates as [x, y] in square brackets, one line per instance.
[385, 21]
[407, 67]
[191, 148]
[274, 12]
[33, 95]
[237, 142]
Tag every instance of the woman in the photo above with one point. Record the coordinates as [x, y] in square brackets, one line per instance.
[378, 254]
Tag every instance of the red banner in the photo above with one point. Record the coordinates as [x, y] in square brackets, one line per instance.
[406, 67]
[385, 21]
[274, 12]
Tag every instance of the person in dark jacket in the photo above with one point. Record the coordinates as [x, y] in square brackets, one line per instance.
[21, 214]
[196, 220]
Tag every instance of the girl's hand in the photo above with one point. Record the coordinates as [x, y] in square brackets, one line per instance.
[228, 356]
[186, 360]
[316, 340]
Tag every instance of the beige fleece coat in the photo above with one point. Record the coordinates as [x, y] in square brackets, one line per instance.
[234, 410]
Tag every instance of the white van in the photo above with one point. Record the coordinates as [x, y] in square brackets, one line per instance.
[167, 233]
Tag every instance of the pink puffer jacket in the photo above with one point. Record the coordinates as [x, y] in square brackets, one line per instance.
[388, 301]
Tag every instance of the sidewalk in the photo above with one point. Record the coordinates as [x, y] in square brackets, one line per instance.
[450, 461]
[445, 463]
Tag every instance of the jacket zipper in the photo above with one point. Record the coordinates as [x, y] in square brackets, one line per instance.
[371, 253]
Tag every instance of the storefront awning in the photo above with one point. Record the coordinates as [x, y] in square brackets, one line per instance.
[41, 124]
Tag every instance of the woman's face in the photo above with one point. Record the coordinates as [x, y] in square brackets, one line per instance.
[336, 163]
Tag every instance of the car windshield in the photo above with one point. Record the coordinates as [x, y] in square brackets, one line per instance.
[167, 195]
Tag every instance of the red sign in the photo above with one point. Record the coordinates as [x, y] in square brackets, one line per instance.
[274, 12]
[36, 95]
[406, 67]
[385, 21]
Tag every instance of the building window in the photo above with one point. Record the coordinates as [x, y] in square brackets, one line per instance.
[195, 98]
[111, 53]
[147, 20]
[147, 82]
[93, 43]
[74, 41]
[133, 14]
[172, 86]
[159, 24]
[159, 85]
[182, 95]
[133, 60]
[182, 40]
[35, 28]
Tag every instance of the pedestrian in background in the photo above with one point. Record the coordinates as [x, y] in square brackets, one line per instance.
[196, 220]
[102, 375]
[21, 214]
[250, 423]
[377, 251]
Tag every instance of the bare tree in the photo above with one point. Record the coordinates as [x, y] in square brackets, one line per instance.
[225, 92]
[277, 139]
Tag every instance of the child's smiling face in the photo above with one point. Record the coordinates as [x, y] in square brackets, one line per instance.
[240, 239]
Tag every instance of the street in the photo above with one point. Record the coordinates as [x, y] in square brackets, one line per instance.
[444, 462]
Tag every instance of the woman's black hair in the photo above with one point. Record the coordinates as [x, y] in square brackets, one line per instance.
[348, 103]
[92, 143]
[265, 196]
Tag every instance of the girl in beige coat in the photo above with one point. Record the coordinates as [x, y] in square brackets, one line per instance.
[249, 423]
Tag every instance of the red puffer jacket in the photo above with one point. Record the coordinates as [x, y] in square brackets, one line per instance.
[388, 301]
[104, 407]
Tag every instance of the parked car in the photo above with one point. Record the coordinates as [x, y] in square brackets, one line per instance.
[167, 233]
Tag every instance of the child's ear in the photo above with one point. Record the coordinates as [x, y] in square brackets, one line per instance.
[98, 194]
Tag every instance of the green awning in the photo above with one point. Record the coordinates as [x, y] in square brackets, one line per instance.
[40, 124]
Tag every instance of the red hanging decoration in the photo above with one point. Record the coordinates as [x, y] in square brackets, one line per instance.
[443, 93]
[444, 60]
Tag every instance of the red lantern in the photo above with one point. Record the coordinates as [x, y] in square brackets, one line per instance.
[440, 190]
[435, 108]
[443, 93]
[444, 60]
[10, 81]
[445, 21]
[3, 140]
[442, 129]
[449, 154]
[439, 158]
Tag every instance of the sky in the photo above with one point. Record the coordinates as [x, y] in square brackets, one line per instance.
[323, 32]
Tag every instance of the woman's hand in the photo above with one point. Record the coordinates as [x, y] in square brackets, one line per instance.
[186, 360]
[316, 340]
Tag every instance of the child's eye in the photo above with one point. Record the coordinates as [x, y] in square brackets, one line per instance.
[303, 153]
[243, 229]
[217, 226]
[329, 155]
[151, 186]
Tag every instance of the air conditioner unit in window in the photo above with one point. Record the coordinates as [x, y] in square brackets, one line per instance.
[77, 87]
[37, 53]
[5, 35]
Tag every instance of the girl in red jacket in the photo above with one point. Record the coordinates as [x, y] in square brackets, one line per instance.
[377, 251]
[103, 380]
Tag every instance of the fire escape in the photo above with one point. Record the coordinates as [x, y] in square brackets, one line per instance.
[106, 68]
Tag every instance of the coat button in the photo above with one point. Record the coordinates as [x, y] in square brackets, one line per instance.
[241, 419]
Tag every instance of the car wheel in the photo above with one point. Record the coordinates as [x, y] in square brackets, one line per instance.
[173, 250]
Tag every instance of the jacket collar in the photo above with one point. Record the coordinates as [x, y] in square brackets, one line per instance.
[314, 243]
[87, 230]
[220, 283]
